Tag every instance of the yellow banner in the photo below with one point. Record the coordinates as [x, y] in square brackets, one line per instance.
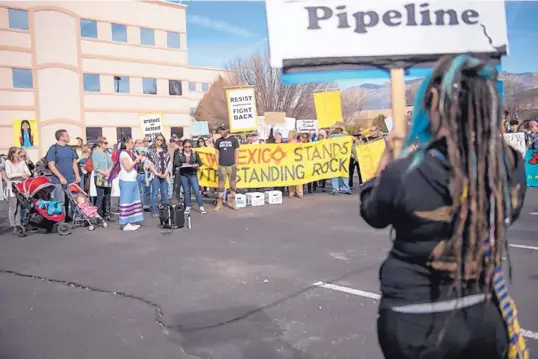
[275, 165]
[369, 155]
[25, 133]
[328, 108]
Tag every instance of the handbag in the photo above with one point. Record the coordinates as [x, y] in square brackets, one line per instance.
[102, 181]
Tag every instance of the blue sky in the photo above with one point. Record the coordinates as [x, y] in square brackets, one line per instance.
[220, 31]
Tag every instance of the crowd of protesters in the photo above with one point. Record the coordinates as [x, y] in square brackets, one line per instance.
[145, 173]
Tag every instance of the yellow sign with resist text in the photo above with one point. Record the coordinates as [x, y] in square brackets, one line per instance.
[369, 155]
[275, 165]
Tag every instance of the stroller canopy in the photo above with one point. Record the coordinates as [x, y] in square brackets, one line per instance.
[33, 186]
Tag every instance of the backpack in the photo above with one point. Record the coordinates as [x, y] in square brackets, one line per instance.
[88, 166]
[42, 166]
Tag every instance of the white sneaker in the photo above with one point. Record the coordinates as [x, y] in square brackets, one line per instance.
[129, 227]
[135, 226]
[187, 210]
[202, 210]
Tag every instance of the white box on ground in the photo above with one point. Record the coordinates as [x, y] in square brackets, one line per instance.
[273, 197]
[255, 199]
[240, 200]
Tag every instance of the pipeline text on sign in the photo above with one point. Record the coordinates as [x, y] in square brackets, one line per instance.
[274, 165]
[410, 15]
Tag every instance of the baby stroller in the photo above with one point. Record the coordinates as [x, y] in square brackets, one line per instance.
[34, 194]
[79, 218]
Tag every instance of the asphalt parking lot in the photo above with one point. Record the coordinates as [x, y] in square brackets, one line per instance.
[297, 280]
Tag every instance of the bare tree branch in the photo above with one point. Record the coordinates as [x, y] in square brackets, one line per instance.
[514, 90]
[271, 95]
[353, 101]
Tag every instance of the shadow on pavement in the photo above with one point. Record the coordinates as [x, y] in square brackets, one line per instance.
[256, 336]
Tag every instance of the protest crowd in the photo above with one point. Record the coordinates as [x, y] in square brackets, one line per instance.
[147, 173]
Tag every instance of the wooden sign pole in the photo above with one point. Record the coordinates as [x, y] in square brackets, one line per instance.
[397, 90]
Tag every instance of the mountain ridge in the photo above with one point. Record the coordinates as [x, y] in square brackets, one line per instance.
[377, 97]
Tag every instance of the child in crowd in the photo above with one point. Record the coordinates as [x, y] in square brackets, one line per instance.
[86, 207]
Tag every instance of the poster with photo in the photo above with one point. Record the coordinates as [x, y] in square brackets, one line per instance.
[25, 133]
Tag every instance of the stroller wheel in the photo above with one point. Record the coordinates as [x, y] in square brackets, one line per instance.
[91, 227]
[105, 225]
[64, 229]
[21, 231]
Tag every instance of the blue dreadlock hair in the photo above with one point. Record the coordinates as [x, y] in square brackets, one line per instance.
[470, 113]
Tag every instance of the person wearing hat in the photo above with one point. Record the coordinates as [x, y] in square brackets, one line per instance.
[226, 156]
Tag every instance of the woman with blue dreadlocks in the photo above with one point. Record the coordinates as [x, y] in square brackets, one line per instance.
[450, 202]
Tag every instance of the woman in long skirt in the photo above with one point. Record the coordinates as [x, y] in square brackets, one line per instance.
[131, 211]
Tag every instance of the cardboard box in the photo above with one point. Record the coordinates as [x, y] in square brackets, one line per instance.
[240, 200]
[255, 199]
[273, 197]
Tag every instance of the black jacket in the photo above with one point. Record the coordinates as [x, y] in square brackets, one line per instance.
[414, 203]
[180, 159]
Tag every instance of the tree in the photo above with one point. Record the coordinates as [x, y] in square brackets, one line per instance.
[352, 104]
[271, 95]
[379, 122]
[213, 108]
[410, 94]
[513, 100]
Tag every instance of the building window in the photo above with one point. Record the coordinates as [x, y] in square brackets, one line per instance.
[172, 40]
[177, 131]
[119, 33]
[193, 111]
[22, 79]
[205, 87]
[92, 133]
[18, 19]
[91, 83]
[147, 36]
[192, 86]
[174, 88]
[149, 86]
[123, 133]
[88, 29]
[121, 84]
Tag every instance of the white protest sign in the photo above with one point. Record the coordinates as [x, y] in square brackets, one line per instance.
[373, 30]
[152, 125]
[517, 141]
[307, 126]
[242, 111]
[263, 129]
[283, 129]
[389, 123]
[200, 128]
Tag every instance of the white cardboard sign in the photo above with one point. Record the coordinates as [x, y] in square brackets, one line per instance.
[242, 111]
[311, 29]
[309, 126]
[152, 125]
[283, 129]
[517, 141]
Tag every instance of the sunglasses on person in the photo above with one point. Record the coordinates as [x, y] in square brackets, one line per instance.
[187, 146]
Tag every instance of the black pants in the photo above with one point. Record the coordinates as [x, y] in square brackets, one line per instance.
[470, 333]
[313, 185]
[104, 195]
[352, 165]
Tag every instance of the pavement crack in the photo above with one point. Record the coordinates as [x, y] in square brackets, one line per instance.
[159, 316]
